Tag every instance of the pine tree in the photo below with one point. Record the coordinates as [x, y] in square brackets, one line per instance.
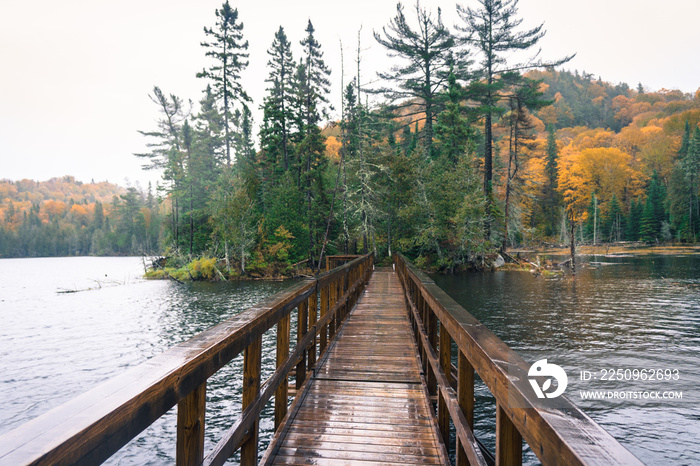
[279, 102]
[633, 231]
[312, 81]
[525, 95]
[233, 216]
[592, 224]
[491, 31]
[428, 61]
[691, 166]
[166, 150]
[454, 135]
[612, 225]
[208, 126]
[654, 212]
[316, 85]
[228, 49]
[551, 199]
[243, 142]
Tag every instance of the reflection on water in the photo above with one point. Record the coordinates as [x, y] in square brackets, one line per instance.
[55, 346]
[626, 312]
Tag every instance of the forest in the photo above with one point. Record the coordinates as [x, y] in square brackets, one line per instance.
[66, 217]
[458, 152]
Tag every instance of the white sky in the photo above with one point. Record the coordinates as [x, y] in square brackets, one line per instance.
[75, 74]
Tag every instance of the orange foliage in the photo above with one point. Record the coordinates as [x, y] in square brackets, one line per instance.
[593, 138]
[54, 209]
[549, 115]
[79, 214]
[332, 148]
[605, 171]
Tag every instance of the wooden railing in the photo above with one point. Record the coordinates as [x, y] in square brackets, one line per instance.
[92, 427]
[557, 436]
[337, 260]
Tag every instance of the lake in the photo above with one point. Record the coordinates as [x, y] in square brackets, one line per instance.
[69, 324]
[620, 313]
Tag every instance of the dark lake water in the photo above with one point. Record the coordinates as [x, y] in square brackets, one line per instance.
[626, 313]
[632, 312]
[55, 346]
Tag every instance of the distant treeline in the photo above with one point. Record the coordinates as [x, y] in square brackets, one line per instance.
[65, 217]
[456, 152]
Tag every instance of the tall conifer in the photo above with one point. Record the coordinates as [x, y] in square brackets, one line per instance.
[229, 51]
[492, 31]
[427, 61]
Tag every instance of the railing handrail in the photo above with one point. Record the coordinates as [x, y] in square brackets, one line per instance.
[91, 427]
[556, 436]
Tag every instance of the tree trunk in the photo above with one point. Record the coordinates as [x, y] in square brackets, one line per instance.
[243, 257]
[573, 246]
[226, 257]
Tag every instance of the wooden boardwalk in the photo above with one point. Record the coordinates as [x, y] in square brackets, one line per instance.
[367, 402]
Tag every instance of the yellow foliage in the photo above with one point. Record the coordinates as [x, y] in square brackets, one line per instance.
[203, 269]
[548, 115]
[333, 148]
[534, 178]
[54, 208]
[605, 171]
[79, 214]
[593, 138]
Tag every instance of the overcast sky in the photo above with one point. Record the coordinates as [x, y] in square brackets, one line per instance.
[75, 74]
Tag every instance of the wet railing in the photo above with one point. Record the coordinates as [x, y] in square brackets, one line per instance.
[92, 427]
[560, 435]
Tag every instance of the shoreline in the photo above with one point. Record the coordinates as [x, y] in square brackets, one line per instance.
[610, 250]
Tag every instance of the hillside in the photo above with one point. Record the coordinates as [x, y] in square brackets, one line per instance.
[614, 146]
[63, 216]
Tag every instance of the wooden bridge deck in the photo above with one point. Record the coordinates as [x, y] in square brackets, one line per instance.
[367, 402]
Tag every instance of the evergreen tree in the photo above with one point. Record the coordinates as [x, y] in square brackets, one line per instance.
[612, 226]
[592, 223]
[633, 231]
[208, 126]
[680, 205]
[428, 61]
[316, 84]
[312, 89]
[551, 199]
[654, 214]
[278, 104]
[492, 31]
[98, 216]
[454, 135]
[166, 150]
[244, 144]
[234, 217]
[228, 49]
[525, 95]
[691, 167]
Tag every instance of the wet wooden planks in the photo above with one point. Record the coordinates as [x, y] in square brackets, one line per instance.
[366, 403]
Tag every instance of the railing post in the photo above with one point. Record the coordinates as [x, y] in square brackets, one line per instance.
[251, 389]
[190, 427]
[509, 442]
[331, 303]
[431, 330]
[282, 393]
[302, 323]
[313, 317]
[343, 289]
[323, 338]
[465, 398]
[446, 366]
